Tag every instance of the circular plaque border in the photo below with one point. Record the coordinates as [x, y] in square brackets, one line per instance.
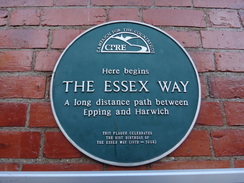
[112, 162]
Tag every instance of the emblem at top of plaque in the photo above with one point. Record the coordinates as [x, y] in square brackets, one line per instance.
[125, 41]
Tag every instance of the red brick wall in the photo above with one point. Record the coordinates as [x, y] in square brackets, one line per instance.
[33, 33]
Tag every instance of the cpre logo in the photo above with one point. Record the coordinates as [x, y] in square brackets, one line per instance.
[125, 41]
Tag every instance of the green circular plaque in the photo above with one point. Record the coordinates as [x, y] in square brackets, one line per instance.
[125, 93]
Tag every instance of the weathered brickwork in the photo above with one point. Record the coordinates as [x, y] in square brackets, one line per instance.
[33, 34]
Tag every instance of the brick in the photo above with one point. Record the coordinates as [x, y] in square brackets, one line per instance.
[242, 17]
[22, 86]
[3, 21]
[223, 39]
[234, 113]
[196, 144]
[116, 168]
[17, 60]
[3, 17]
[23, 38]
[25, 3]
[174, 165]
[239, 164]
[228, 142]
[13, 114]
[204, 60]
[57, 146]
[223, 18]
[178, 17]
[62, 37]
[234, 4]
[62, 167]
[9, 167]
[25, 17]
[186, 39]
[229, 61]
[71, 3]
[19, 144]
[123, 14]
[87, 16]
[46, 60]
[210, 114]
[41, 115]
[121, 3]
[203, 87]
[3, 13]
[167, 3]
[227, 87]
